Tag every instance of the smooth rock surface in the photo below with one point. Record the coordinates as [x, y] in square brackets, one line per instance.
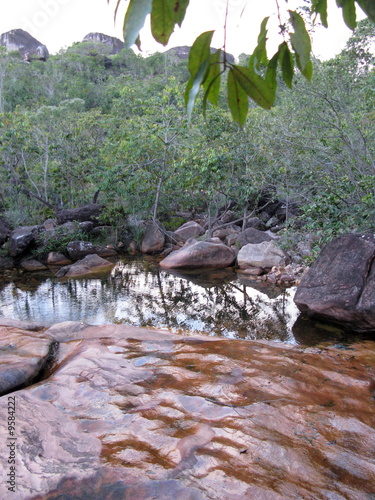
[195, 254]
[153, 240]
[22, 356]
[91, 264]
[265, 255]
[190, 229]
[184, 418]
[340, 285]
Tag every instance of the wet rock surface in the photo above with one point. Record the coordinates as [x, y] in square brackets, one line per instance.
[140, 414]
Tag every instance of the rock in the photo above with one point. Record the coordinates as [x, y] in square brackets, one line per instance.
[254, 222]
[89, 212]
[153, 240]
[57, 259]
[33, 265]
[50, 224]
[79, 249]
[21, 239]
[189, 230]
[196, 254]
[137, 415]
[23, 356]
[251, 235]
[29, 47]
[252, 271]
[5, 230]
[6, 262]
[115, 44]
[264, 255]
[224, 232]
[340, 285]
[91, 264]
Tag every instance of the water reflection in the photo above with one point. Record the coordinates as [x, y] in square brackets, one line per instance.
[138, 292]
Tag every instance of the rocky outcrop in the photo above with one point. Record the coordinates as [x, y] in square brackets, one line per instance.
[89, 212]
[29, 47]
[194, 254]
[21, 239]
[189, 230]
[115, 44]
[153, 239]
[264, 255]
[340, 285]
[89, 265]
[131, 413]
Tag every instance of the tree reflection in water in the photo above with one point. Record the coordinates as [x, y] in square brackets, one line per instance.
[138, 292]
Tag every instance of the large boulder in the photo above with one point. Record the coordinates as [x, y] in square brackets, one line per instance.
[88, 212]
[78, 249]
[265, 255]
[153, 239]
[189, 230]
[91, 264]
[28, 46]
[200, 254]
[250, 235]
[21, 239]
[340, 285]
[5, 230]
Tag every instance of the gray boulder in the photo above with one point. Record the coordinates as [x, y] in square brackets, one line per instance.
[153, 240]
[340, 285]
[21, 239]
[78, 249]
[265, 255]
[91, 264]
[189, 230]
[5, 231]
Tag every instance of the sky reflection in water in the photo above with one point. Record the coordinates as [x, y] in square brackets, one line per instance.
[138, 292]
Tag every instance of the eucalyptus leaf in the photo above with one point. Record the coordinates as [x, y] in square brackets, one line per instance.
[320, 7]
[134, 21]
[254, 86]
[237, 99]
[199, 52]
[162, 20]
[301, 44]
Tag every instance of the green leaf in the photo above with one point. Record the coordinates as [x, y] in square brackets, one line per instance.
[212, 81]
[301, 44]
[368, 7]
[179, 9]
[134, 21]
[320, 7]
[199, 52]
[259, 56]
[162, 20]
[287, 64]
[237, 99]
[193, 86]
[254, 86]
[348, 12]
[271, 74]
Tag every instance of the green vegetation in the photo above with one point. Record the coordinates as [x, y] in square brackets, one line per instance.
[86, 123]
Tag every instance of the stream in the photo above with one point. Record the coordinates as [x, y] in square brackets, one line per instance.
[138, 292]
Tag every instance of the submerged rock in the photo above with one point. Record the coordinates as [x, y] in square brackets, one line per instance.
[142, 414]
[340, 285]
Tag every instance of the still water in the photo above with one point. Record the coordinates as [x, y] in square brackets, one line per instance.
[140, 293]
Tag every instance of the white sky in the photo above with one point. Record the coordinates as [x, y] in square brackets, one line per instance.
[59, 23]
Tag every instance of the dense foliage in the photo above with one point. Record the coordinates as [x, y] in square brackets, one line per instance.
[86, 123]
